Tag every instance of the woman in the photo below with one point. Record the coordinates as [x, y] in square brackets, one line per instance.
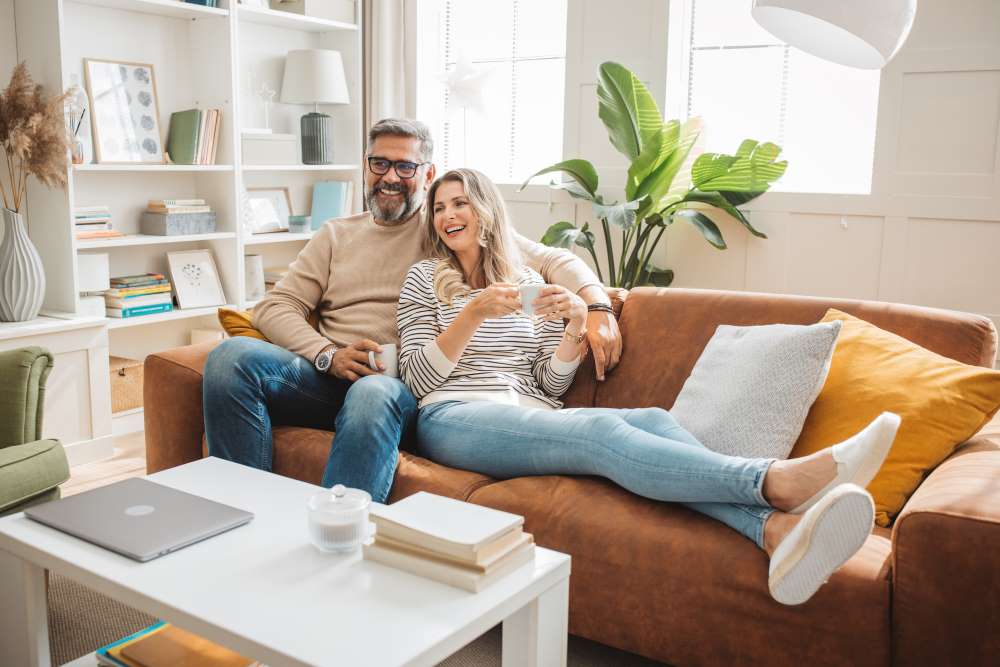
[489, 378]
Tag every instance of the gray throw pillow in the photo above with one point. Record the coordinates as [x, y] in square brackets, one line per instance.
[752, 387]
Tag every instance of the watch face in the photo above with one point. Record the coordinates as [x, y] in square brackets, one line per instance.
[323, 361]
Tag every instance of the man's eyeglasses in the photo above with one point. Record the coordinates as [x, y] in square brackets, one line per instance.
[404, 168]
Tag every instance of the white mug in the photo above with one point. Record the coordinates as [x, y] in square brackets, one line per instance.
[387, 356]
[528, 294]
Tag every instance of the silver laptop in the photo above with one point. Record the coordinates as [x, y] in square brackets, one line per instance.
[139, 518]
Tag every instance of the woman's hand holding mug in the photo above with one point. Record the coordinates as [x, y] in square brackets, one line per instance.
[497, 300]
[555, 302]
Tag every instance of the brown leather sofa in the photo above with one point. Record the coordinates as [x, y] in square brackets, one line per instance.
[665, 582]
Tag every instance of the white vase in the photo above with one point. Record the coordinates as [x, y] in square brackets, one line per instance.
[22, 278]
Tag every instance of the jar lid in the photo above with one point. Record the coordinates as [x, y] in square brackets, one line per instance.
[340, 499]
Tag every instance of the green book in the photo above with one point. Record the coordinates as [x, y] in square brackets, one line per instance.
[182, 141]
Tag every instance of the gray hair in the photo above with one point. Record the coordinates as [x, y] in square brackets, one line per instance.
[404, 127]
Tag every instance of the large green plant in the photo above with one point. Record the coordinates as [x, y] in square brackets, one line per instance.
[663, 184]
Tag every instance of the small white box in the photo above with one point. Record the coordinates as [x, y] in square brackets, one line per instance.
[332, 10]
[93, 272]
[266, 149]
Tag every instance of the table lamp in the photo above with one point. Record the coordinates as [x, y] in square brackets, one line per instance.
[315, 76]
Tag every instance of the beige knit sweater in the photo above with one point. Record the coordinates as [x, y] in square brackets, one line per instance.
[351, 272]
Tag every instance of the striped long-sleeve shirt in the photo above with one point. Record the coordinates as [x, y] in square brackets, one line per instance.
[509, 359]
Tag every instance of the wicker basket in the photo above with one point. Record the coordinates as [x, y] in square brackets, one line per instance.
[126, 384]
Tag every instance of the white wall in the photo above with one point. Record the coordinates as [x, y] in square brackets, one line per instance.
[928, 234]
[8, 60]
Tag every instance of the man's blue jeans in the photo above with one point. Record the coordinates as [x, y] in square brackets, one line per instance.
[644, 450]
[251, 385]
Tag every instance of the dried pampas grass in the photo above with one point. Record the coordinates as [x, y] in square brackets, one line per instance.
[33, 135]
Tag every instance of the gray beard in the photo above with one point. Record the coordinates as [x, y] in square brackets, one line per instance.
[409, 205]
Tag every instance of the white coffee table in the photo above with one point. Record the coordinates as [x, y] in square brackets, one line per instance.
[265, 591]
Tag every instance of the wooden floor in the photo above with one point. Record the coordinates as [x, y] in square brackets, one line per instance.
[129, 460]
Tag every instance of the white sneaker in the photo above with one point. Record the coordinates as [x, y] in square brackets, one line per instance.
[860, 456]
[824, 539]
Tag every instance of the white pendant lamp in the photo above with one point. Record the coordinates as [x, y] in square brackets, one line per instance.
[858, 33]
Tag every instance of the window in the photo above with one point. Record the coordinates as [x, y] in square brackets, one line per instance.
[744, 83]
[490, 83]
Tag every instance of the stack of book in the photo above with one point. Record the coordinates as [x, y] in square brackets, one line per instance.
[171, 217]
[94, 222]
[134, 296]
[193, 137]
[456, 543]
[163, 644]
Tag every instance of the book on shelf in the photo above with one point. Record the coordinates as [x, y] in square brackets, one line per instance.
[453, 574]
[166, 203]
[171, 210]
[203, 3]
[128, 302]
[87, 235]
[331, 199]
[92, 227]
[138, 311]
[142, 278]
[193, 136]
[138, 290]
[444, 525]
[164, 644]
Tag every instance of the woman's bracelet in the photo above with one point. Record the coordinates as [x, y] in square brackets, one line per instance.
[576, 338]
[602, 307]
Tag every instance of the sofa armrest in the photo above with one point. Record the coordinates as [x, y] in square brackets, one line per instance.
[946, 560]
[172, 399]
[22, 394]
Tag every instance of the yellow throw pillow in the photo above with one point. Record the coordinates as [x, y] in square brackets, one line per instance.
[942, 403]
[238, 323]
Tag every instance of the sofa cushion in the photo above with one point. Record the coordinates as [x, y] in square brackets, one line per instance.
[942, 403]
[675, 324]
[752, 387]
[688, 590]
[29, 470]
[301, 453]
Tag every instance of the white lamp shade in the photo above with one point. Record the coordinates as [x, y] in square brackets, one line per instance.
[314, 76]
[858, 33]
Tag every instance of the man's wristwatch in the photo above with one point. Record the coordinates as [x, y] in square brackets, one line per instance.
[324, 359]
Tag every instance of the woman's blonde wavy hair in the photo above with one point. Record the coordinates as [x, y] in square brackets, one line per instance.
[499, 261]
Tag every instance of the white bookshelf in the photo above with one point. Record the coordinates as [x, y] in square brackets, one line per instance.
[171, 316]
[202, 57]
[153, 168]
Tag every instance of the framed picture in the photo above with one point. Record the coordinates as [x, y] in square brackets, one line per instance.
[124, 111]
[195, 279]
[268, 209]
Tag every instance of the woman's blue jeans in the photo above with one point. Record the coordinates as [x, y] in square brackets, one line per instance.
[643, 450]
[251, 385]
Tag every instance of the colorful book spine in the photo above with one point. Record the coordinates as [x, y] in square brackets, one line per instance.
[111, 652]
[141, 278]
[138, 311]
[137, 291]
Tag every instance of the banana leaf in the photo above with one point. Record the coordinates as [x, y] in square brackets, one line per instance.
[718, 200]
[658, 184]
[579, 170]
[751, 170]
[620, 215]
[627, 110]
[704, 224]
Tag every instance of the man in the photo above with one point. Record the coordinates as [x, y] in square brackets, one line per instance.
[350, 273]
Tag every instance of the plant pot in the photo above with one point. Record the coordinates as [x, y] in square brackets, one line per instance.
[22, 277]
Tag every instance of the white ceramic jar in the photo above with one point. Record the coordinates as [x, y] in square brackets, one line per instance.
[338, 519]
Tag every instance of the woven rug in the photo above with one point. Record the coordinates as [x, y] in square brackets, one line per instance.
[81, 620]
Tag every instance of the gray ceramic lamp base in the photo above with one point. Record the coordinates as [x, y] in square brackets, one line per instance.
[317, 138]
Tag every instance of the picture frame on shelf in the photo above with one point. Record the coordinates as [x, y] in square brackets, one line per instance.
[195, 279]
[125, 112]
[268, 209]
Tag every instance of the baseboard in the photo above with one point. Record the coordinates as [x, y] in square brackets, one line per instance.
[88, 451]
[129, 421]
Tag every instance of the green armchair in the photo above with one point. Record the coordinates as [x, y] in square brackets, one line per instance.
[31, 469]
